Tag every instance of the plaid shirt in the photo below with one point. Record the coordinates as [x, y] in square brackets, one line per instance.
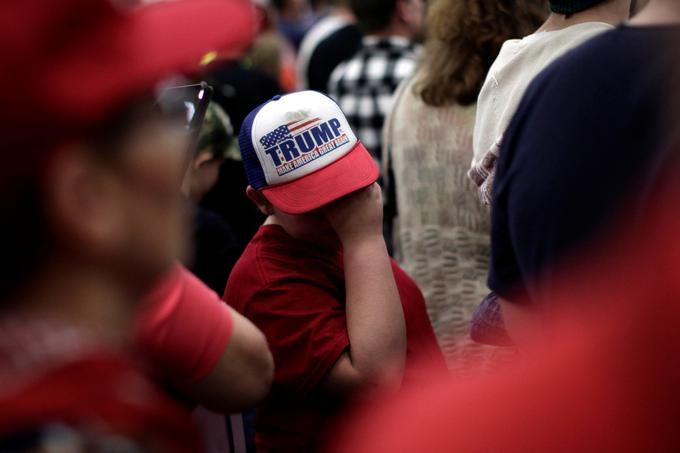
[363, 86]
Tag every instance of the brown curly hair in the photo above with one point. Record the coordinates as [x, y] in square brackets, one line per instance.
[464, 38]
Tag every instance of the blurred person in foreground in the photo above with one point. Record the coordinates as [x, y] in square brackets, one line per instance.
[441, 230]
[93, 213]
[571, 23]
[363, 86]
[604, 380]
[333, 39]
[582, 147]
[340, 316]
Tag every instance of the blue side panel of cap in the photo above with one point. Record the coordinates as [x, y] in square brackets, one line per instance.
[251, 162]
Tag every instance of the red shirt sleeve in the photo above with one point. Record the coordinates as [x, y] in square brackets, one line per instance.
[183, 328]
[306, 329]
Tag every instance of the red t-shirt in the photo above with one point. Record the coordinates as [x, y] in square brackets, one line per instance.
[295, 294]
[54, 375]
[183, 328]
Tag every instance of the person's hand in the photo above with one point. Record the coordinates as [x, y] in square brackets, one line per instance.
[357, 216]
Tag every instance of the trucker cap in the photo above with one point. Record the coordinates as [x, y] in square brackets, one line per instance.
[299, 150]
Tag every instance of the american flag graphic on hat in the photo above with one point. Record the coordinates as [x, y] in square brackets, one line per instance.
[276, 136]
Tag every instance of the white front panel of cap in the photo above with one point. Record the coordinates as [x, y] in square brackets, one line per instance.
[299, 134]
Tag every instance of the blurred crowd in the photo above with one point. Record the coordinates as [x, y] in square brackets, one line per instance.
[339, 226]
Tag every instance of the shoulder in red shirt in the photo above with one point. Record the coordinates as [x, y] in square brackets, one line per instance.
[295, 294]
[182, 328]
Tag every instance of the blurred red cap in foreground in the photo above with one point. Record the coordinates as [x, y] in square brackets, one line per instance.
[65, 64]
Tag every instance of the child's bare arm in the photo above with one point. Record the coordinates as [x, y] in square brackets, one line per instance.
[375, 318]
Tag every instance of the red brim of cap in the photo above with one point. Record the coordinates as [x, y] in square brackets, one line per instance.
[354, 171]
[134, 53]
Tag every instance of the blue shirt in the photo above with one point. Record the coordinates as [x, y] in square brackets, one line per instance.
[586, 142]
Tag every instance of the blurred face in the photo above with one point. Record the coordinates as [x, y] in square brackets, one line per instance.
[116, 204]
[147, 182]
[413, 15]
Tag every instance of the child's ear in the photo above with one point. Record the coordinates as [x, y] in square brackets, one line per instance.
[201, 159]
[260, 200]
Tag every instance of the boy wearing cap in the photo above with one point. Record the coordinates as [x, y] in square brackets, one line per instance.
[338, 313]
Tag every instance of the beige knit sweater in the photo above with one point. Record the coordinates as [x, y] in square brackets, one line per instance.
[442, 232]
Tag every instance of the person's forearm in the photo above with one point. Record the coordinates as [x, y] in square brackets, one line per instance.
[375, 317]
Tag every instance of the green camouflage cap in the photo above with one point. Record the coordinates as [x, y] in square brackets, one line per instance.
[217, 133]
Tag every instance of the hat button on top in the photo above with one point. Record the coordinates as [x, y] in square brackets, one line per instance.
[276, 98]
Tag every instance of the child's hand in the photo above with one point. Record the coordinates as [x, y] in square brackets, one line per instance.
[358, 215]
